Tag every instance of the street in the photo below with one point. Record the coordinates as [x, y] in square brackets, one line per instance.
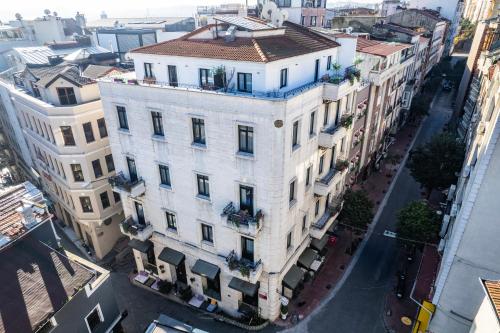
[359, 305]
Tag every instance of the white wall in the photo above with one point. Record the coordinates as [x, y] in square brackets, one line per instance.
[448, 8]
[486, 320]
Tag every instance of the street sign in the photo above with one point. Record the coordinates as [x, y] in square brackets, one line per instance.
[390, 234]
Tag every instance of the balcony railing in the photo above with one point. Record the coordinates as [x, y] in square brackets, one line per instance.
[325, 222]
[330, 136]
[243, 221]
[246, 268]
[134, 229]
[121, 183]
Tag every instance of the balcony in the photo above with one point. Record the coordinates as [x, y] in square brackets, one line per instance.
[319, 228]
[328, 137]
[326, 184]
[241, 221]
[122, 184]
[134, 229]
[243, 268]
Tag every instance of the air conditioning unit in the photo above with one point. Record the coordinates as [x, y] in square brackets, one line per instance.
[454, 210]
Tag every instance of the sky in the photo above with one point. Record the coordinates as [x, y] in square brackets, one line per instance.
[30, 9]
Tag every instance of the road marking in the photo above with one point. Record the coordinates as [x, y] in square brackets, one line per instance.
[390, 234]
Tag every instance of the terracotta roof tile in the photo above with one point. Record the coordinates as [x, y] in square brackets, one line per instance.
[379, 48]
[493, 290]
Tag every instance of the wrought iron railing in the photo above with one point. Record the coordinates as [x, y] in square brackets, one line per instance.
[238, 217]
[121, 181]
[244, 265]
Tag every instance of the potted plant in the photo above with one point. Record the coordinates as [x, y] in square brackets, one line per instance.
[346, 120]
[341, 165]
[244, 270]
[284, 310]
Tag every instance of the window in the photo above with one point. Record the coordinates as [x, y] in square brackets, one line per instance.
[206, 78]
[94, 319]
[77, 172]
[326, 114]
[96, 165]
[164, 175]
[198, 131]
[316, 70]
[203, 187]
[245, 82]
[67, 134]
[157, 123]
[171, 221]
[295, 134]
[86, 204]
[308, 176]
[328, 63]
[304, 222]
[246, 199]
[139, 210]
[110, 164]
[312, 123]
[104, 200]
[122, 117]
[303, 20]
[284, 77]
[284, 3]
[148, 70]
[289, 240]
[89, 134]
[36, 92]
[313, 21]
[207, 233]
[247, 249]
[172, 76]
[321, 164]
[245, 139]
[101, 124]
[291, 197]
[116, 197]
[316, 208]
[66, 96]
[132, 170]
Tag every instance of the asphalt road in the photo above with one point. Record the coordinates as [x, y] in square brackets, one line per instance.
[359, 304]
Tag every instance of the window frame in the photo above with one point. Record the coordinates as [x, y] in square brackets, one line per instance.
[329, 63]
[105, 193]
[292, 191]
[109, 162]
[247, 134]
[283, 77]
[165, 179]
[295, 134]
[198, 129]
[247, 252]
[77, 179]
[312, 123]
[68, 137]
[101, 125]
[157, 122]
[97, 163]
[66, 95]
[100, 315]
[148, 70]
[90, 209]
[121, 112]
[88, 131]
[203, 190]
[243, 82]
[207, 233]
[171, 219]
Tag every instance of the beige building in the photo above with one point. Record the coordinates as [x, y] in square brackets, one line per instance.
[61, 117]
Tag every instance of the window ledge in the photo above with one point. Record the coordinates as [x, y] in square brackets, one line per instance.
[312, 135]
[292, 203]
[295, 147]
[159, 138]
[199, 146]
[244, 155]
[289, 250]
[172, 231]
[166, 187]
[124, 131]
[203, 198]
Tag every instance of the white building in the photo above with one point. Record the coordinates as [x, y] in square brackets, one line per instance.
[308, 13]
[487, 318]
[230, 145]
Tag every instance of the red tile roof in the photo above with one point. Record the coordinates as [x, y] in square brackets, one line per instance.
[379, 48]
[493, 290]
[296, 41]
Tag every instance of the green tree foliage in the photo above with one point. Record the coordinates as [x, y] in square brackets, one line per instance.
[435, 163]
[357, 210]
[417, 221]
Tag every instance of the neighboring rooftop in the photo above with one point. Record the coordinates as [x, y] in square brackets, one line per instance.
[397, 28]
[94, 72]
[294, 40]
[137, 22]
[22, 207]
[36, 281]
[40, 55]
[47, 75]
[379, 48]
[493, 292]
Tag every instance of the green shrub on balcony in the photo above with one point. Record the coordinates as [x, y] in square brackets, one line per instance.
[346, 120]
[341, 165]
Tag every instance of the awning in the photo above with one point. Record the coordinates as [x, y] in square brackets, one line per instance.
[171, 256]
[307, 257]
[319, 244]
[203, 268]
[140, 245]
[245, 287]
[293, 277]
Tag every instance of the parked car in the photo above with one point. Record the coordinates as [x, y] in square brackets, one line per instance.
[401, 286]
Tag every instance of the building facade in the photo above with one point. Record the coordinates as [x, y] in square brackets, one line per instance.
[232, 159]
[308, 13]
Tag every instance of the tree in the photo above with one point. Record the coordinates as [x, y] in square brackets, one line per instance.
[435, 163]
[357, 210]
[417, 221]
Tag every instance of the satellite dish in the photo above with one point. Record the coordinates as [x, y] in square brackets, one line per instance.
[277, 18]
[46, 12]
[285, 15]
[268, 9]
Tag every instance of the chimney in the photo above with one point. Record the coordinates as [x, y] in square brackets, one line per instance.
[27, 215]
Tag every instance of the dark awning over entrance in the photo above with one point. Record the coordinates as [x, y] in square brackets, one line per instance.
[245, 287]
[319, 244]
[307, 257]
[203, 268]
[140, 245]
[293, 277]
[171, 256]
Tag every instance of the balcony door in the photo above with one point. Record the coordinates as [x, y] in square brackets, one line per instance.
[246, 199]
[332, 161]
[172, 76]
[316, 70]
[140, 213]
[132, 170]
[247, 249]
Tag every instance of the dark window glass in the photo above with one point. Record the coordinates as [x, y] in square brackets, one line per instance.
[292, 191]
[312, 122]
[245, 139]
[289, 240]
[67, 134]
[316, 208]
[86, 204]
[93, 320]
[122, 117]
[313, 21]
[36, 92]
[247, 249]
[295, 133]
[164, 175]
[66, 96]
[89, 134]
[104, 200]
[246, 199]
[321, 164]
[206, 78]
[326, 114]
[172, 76]
[103, 131]
[132, 170]
[157, 123]
[148, 70]
[96, 164]
[77, 172]
[316, 68]
[171, 221]
[329, 63]
[304, 222]
[110, 164]
[308, 176]
[198, 131]
[245, 82]
[283, 77]
[203, 186]
[207, 233]
[116, 197]
[140, 213]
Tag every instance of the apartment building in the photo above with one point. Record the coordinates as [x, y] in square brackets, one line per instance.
[479, 10]
[64, 132]
[308, 13]
[230, 146]
[470, 226]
